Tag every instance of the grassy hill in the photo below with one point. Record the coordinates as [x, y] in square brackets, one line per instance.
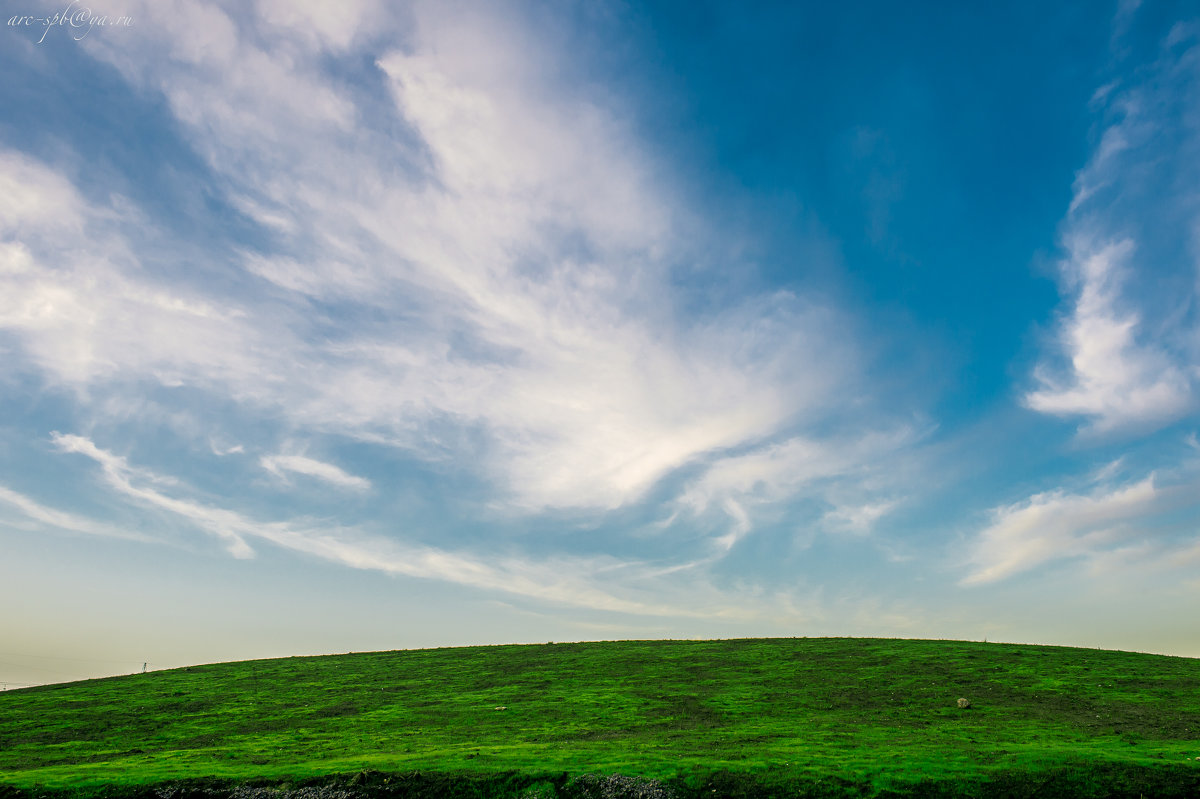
[773, 716]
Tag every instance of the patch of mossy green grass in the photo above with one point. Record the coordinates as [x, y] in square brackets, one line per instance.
[859, 717]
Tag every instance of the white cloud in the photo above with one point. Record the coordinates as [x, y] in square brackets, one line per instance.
[71, 293]
[1129, 334]
[226, 525]
[512, 274]
[63, 520]
[464, 259]
[1055, 524]
[740, 527]
[32, 195]
[847, 475]
[1114, 378]
[770, 472]
[222, 451]
[299, 464]
[600, 582]
[316, 22]
[859, 518]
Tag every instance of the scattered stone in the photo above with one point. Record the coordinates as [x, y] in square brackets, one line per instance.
[248, 792]
[964, 703]
[502, 707]
[616, 786]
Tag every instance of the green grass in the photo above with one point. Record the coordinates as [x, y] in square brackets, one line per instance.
[867, 713]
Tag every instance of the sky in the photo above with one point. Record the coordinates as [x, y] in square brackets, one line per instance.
[375, 325]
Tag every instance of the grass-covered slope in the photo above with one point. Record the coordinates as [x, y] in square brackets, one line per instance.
[871, 712]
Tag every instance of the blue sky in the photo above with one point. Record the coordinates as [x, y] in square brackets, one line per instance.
[431, 324]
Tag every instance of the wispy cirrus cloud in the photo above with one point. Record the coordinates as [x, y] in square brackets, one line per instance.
[464, 268]
[507, 266]
[1123, 358]
[63, 520]
[222, 451]
[1055, 525]
[1098, 523]
[1117, 377]
[72, 294]
[145, 486]
[311, 467]
[1130, 334]
[597, 582]
[848, 479]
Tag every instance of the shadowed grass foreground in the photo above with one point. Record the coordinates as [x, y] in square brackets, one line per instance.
[833, 716]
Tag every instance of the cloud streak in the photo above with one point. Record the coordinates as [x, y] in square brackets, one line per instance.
[327, 472]
[1115, 379]
[1056, 525]
[848, 478]
[571, 581]
[63, 520]
[225, 525]
[465, 268]
[1130, 334]
[1105, 525]
[505, 271]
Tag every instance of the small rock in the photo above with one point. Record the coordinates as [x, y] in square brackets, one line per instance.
[964, 703]
[502, 707]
